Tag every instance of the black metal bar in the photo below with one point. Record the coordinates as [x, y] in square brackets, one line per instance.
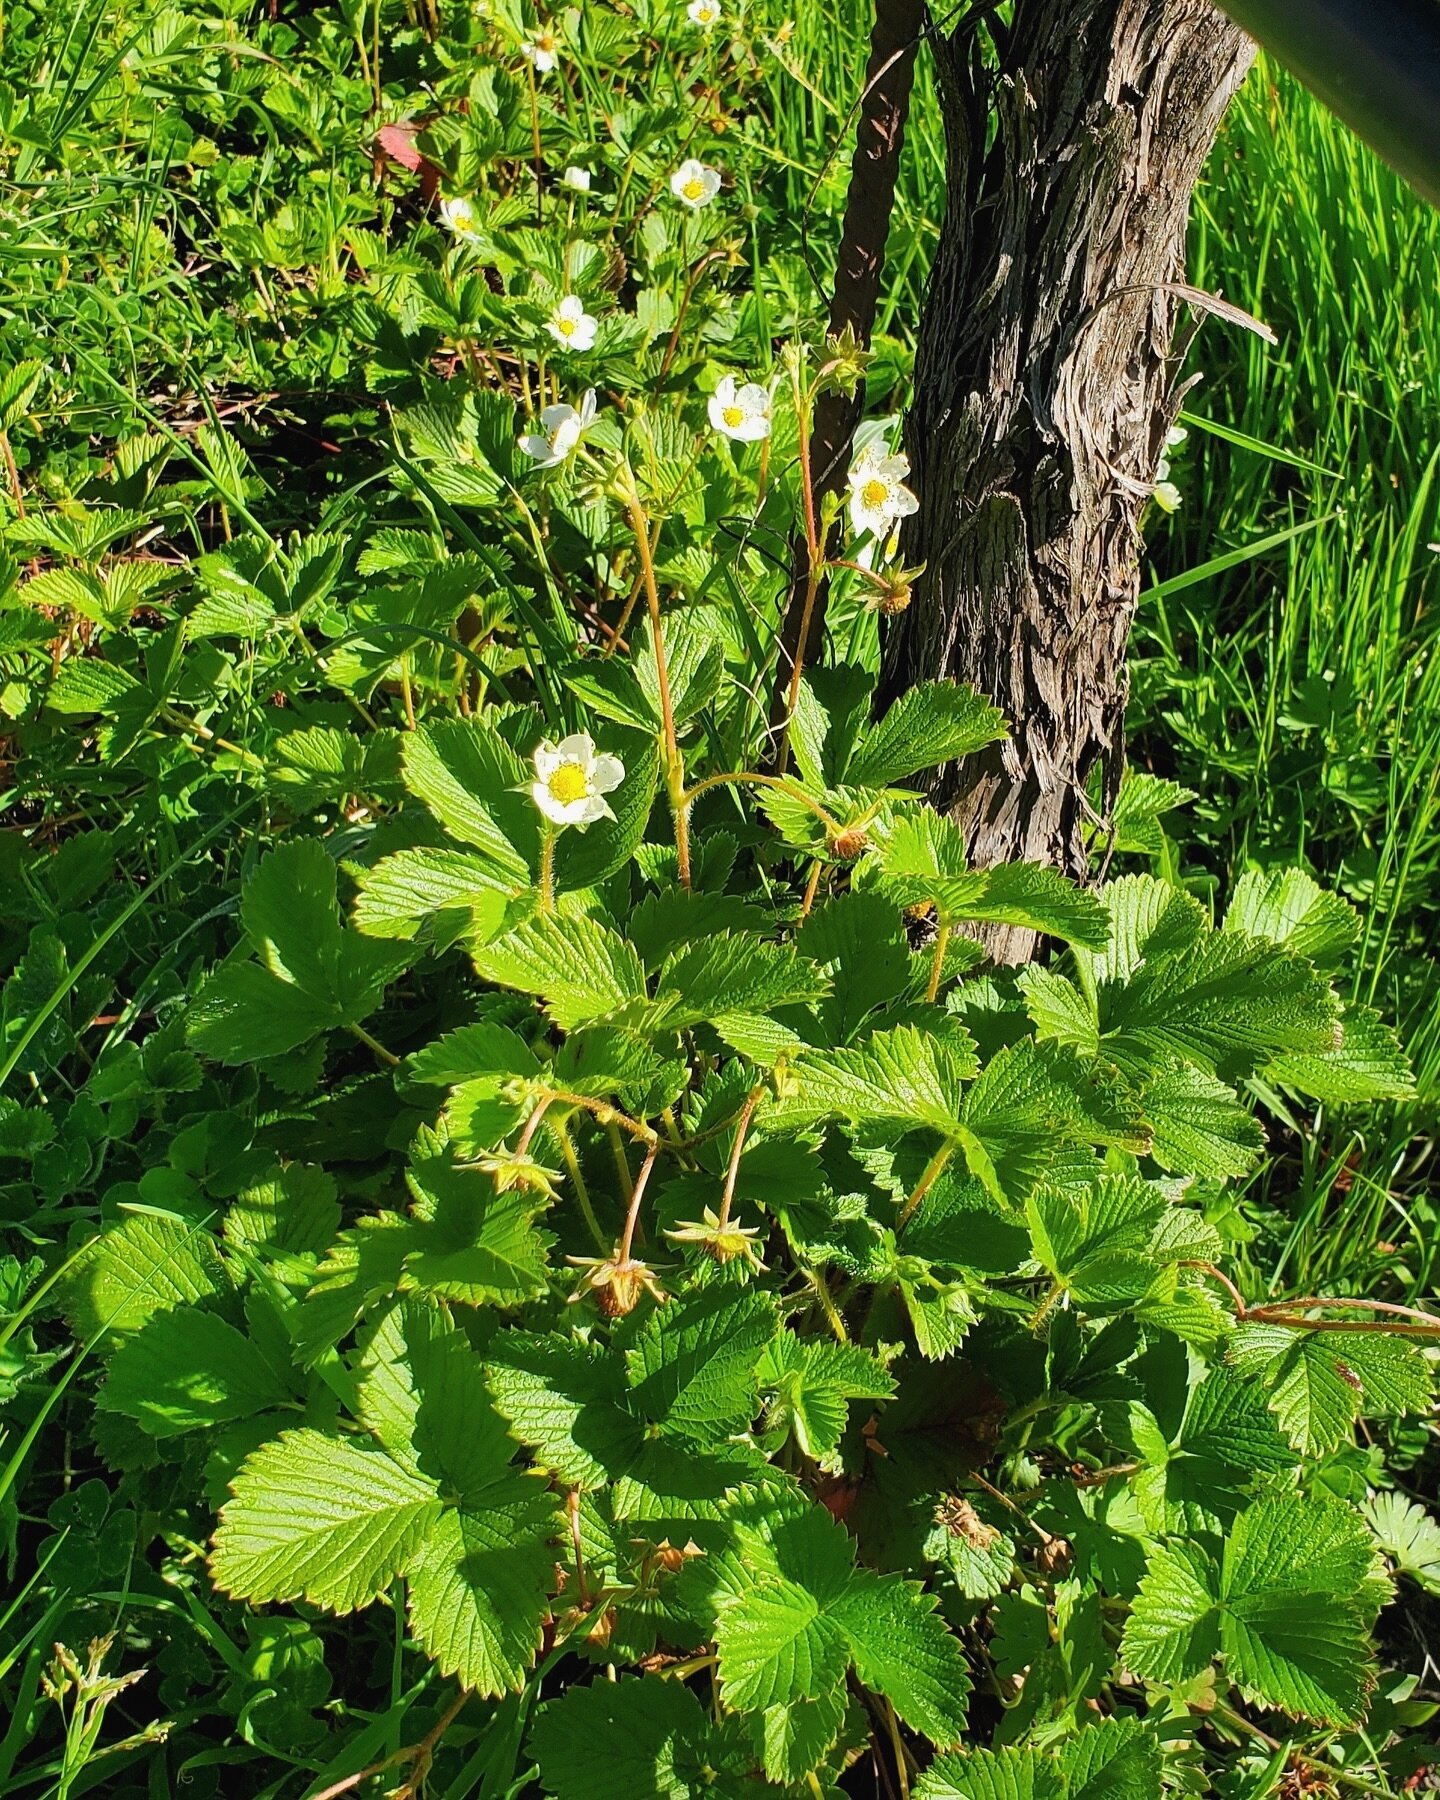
[1376, 63]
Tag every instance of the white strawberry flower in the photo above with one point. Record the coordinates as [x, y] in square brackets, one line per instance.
[561, 428]
[741, 412]
[577, 178]
[571, 326]
[695, 183]
[542, 48]
[459, 215]
[571, 781]
[703, 13]
[879, 498]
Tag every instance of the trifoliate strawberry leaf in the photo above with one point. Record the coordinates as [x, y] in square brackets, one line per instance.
[1294, 1629]
[1004, 1774]
[1170, 988]
[1288, 1610]
[430, 893]
[312, 975]
[1369, 1063]
[636, 1740]
[777, 1643]
[293, 1210]
[481, 1581]
[1173, 1631]
[922, 859]
[480, 1588]
[1226, 1439]
[693, 1365]
[1058, 1010]
[903, 1649]
[184, 1370]
[941, 1313]
[1199, 1126]
[565, 1400]
[317, 1516]
[902, 1077]
[1408, 1535]
[466, 774]
[729, 974]
[582, 969]
[795, 1734]
[1285, 906]
[138, 1268]
[790, 1570]
[1142, 802]
[474, 1241]
[1104, 1242]
[810, 1385]
[933, 723]
[1149, 918]
[1318, 1382]
[1032, 1100]
[1113, 1759]
[859, 943]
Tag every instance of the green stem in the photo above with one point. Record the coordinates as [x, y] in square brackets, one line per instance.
[582, 1192]
[371, 1043]
[674, 764]
[937, 967]
[1041, 1316]
[547, 870]
[622, 1255]
[749, 777]
[923, 1186]
[733, 1169]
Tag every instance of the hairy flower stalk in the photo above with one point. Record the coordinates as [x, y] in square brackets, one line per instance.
[674, 763]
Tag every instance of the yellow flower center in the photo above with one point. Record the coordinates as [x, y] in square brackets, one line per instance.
[694, 188]
[734, 416]
[874, 493]
[565, 326]
[568, 784]
[545, 44]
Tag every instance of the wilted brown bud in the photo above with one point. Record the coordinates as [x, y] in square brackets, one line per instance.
[617, 1283]
[848, 844]
[961, 1520]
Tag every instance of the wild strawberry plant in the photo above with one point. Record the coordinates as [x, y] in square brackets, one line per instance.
[594, 1255]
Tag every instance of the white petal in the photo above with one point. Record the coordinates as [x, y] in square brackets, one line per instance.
[573, 812]
[552, 417]
[579, 747]
[725, 390]
[547, 759]
[902, 503]
[583, 336]
[755, 398]
[606, 774]
[587, 407]
[755, 427]
[868, 518]
[593, 808]
[539, 448]
[548, 804]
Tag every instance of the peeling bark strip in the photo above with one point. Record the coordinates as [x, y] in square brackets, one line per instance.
[879, 136]
[1045, 384]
